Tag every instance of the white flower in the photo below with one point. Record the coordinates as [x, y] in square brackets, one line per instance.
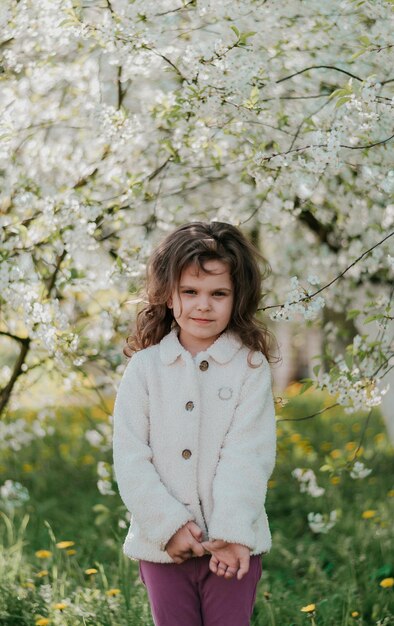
[319, 523]
[105, 488]
[94, 438]
[359, 471]
[307, 480]
[13, 495]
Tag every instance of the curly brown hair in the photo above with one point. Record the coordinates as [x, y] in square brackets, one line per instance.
[195, 244]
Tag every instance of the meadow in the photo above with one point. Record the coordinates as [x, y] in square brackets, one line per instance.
[61, 560]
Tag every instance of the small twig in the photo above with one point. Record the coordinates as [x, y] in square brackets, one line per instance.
[314, 67]
[312, 295]
[307, 417]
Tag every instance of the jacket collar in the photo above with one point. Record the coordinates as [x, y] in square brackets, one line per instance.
[222, 350]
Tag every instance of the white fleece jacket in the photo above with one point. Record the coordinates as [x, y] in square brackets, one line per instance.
[194, 439]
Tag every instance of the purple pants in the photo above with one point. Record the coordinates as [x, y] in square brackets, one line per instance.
[190, 594]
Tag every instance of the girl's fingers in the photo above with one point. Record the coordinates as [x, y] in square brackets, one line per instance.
[230, 572]
[222, 568]
[213, 564]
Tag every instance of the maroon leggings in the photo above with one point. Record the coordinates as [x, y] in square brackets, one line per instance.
[190, 594]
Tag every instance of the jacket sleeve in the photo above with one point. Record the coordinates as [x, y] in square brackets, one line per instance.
[158, 514]
[246, 461]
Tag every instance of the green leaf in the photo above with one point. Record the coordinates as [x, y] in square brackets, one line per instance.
[364, 40]
[352, 313]
[341, 101]
[371, 318]
[316, 369]
[308, 382]
[235, 30]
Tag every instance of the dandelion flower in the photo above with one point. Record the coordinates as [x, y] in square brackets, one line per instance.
[60, 606]
[309, 608]
[386, 583]
[90, 571]
[113, 592]
[42, 573]
[369, 514]
[65, 544]
[28, 585]
[42, 621]
[43, 554]
[355, 613]
[71, 552]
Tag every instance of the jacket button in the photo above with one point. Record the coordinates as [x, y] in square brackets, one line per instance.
[189, 406]
[204, 366]
[186, 454]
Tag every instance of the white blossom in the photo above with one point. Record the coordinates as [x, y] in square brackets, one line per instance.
[308, 482]
[322, 523]
[359, 470]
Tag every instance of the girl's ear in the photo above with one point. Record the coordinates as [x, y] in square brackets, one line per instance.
[169, 302]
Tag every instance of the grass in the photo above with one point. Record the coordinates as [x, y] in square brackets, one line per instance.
[92, 583]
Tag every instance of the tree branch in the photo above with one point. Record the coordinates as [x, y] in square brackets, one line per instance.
[315, 67]
[5, 393]
[312, 295]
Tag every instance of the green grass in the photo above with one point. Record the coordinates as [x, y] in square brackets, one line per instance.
[340, 572]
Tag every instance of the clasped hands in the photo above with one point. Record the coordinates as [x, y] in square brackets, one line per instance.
[228, 559]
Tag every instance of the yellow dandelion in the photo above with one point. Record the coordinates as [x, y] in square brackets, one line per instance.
[369, 514]
[113, 592]
[28, 585]
[390, 493]
[60, 606]
[27, 467]
[65, 544]
[355, 613]
[42, 621]
[356, 427]
[42, 573]
[90, 571]
[43, 554]
[379, 438]
[386, 583]
[309, 608]
[295, 438]
[71, 552]
[335, 480]
[87, 459]
[351, 445]
[335, 454]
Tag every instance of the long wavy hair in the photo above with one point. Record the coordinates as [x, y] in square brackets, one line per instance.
[194, 244]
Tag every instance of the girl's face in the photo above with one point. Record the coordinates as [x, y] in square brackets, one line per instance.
[202, 305]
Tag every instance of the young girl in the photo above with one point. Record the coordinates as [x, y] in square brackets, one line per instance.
[194, 429]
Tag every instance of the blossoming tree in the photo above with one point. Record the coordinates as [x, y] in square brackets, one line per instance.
[120, 119]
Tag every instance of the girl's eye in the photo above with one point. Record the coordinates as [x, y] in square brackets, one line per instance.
[189, 291]
[219, 293]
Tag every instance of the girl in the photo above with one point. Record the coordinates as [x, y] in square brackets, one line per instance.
[194, 429]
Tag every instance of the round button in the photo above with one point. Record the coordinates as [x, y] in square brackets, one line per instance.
[204, 366]
[189, 406]
[186, 454]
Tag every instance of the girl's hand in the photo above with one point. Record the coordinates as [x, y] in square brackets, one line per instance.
[185, 543]
[228, 559]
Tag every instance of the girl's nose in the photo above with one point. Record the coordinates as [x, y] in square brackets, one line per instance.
[203, 304]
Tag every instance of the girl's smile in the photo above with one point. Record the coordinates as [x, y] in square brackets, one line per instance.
[202, 305]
